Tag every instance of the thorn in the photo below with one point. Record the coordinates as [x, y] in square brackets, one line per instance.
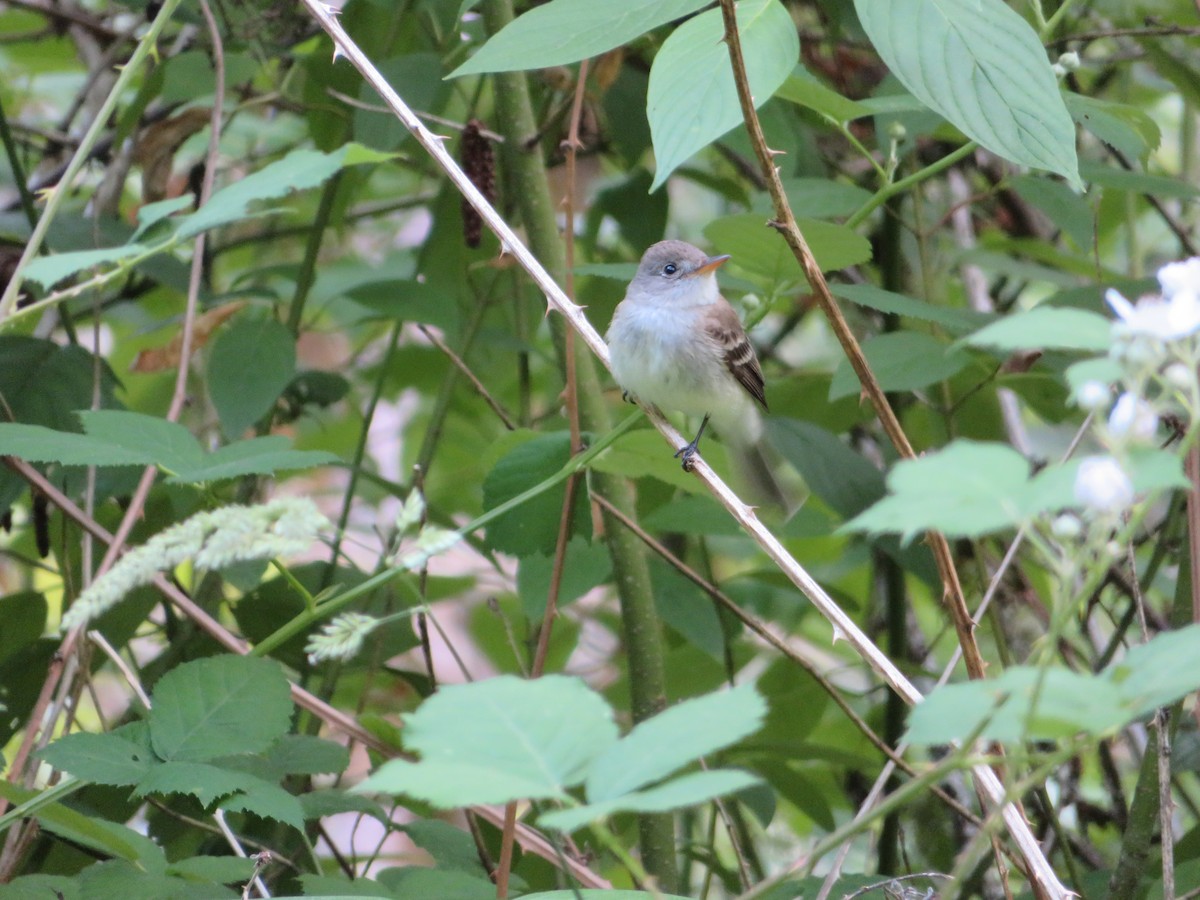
[337, 51]
[330, 10]
[776, 152]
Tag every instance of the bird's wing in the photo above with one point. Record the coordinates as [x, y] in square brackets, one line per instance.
[725, 330]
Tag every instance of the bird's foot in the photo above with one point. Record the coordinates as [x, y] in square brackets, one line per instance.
[687, 455]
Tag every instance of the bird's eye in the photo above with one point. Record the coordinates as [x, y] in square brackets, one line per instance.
[670, 269]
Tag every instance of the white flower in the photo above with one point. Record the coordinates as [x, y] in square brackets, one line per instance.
[411, 512]
[1102, 485]
[1132, 417]
[1166, 319]
[1180, 277]
[430, 542]
[1092, 396]
[1180, 376]
[1066, 527]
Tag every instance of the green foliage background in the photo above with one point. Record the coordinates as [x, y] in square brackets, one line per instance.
[970, 206]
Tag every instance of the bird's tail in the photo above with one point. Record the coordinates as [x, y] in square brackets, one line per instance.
[762, 474]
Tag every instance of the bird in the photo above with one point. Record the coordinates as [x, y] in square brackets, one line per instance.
[676, 344]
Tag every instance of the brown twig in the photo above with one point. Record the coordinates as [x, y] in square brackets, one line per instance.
[461, 365]
[785, 224]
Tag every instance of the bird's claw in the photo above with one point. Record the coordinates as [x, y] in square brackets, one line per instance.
[688, 455]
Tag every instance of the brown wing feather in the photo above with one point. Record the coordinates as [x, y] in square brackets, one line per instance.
[726, 331]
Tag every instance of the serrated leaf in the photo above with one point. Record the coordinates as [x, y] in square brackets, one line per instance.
[673, 738]
[101, 758]
[687, 790]
[305, 754]
[500, 740]
[167, 444]
[901, 361]
[532, 527]
[253, 456]
[451, 847]
[299, 170]
[1126, 128]
[251, 363]
[566, 31]
[214, 869]
[50, 270]
[692, 99]
[756, 249]
[39, 444]
[318, 804]
[207, 783]
[268, 801]
[219, 706]
[964, 490]
[1150, 675]
[982, 67]
[1046, 327]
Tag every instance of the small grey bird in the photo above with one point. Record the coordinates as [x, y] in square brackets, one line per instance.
[676, 343]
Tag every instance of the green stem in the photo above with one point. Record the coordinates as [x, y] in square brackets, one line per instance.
[145, 48]
[884, 194]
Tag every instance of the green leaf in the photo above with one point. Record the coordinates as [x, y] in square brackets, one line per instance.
[964, 490]
[566, 31]
[763, 253]
[843, 478]
[268, 801]
[213, 869]
[956, 321]
[318, 804]
[803, 89]
[500, 740]
[643, 453]
[206, 782]
[305, 754]
[219, 706]
[109, 838]
[820, 198]
[1151, 675]
[251, 363]
[692, 100]
[1129, 129]
[902, 361]
[254, 456]
[50, 270]
[156, 441]
[673, 738]
[1139, 182]
[687, 790]
[298, 171]
[451, 848]
[1046, 327]
[980, 65]
[24, 616]
[533, 526]
[101, 758]
[1064, 207]
[38, 444]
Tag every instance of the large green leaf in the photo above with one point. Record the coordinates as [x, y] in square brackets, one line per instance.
[251, 362]
[1046, 327]
[219, 706]
[204, 781]
[673, 738]
[121, 438]
[761, 252]
[533, 526]
[1067, 703]
[956, 321]
[692, 99]
[500, 740]
[980, 65]
[967, 489]
[102, 758]
[566, 31]
[901, 361]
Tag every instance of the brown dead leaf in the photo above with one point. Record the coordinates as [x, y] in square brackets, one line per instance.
[156, 147]
[159, 359]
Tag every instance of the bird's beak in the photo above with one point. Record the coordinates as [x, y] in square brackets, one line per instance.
[711, 264]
